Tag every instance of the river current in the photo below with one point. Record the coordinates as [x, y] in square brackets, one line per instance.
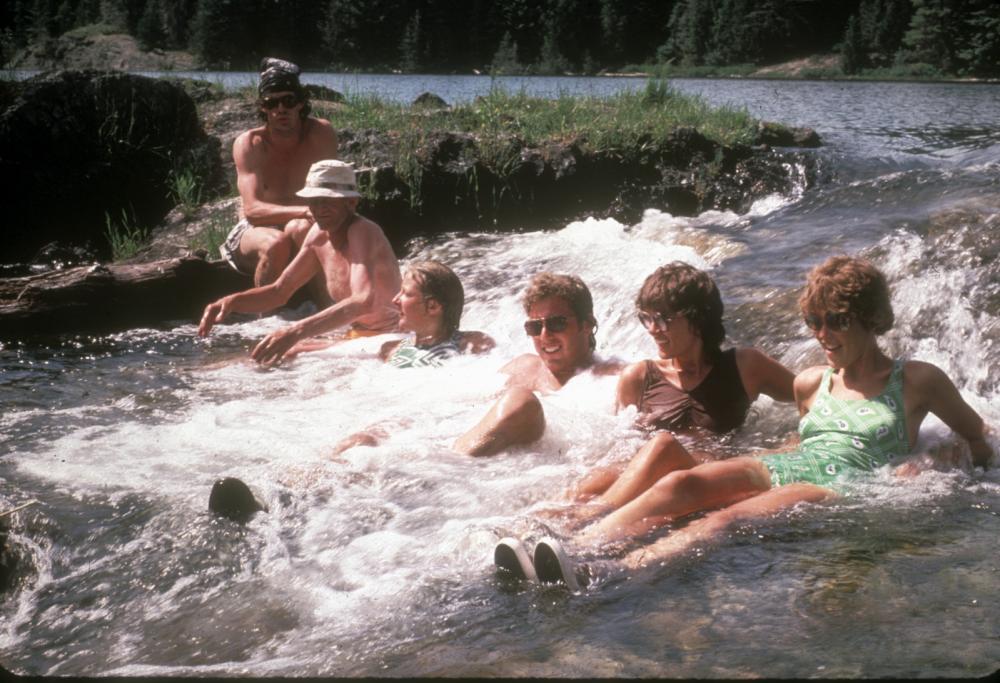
[379, 563]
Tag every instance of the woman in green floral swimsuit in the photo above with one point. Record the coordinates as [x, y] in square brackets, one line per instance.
[858, 414]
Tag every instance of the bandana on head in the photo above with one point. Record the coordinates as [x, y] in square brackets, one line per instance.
[277, 75]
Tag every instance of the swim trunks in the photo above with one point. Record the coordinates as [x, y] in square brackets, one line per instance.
[231, 246]
[362, 332]
[844, 438]
[409, 355]
[718, 404]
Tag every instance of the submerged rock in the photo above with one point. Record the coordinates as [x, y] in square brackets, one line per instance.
[232, 498]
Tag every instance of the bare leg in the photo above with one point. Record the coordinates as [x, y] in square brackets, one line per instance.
[660, 456]
[682, 492]
[712, 525]
[267, 251]
[369, 437]
[517, 418]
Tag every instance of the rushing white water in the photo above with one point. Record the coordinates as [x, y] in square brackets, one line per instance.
[377, 562]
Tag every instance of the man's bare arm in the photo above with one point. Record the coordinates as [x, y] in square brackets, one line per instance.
[360, 302]
[266, 298]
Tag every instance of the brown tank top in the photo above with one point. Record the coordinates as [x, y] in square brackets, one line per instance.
[719, 403]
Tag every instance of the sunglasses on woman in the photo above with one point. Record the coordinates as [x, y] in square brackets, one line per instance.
[554, 323]
[288, 101]
[837, 322]
[655, 321]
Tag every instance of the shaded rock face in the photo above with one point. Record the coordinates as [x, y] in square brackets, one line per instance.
[78, 146]
[461, 183]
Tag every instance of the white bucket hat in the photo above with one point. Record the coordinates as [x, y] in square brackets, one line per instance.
[330, 178]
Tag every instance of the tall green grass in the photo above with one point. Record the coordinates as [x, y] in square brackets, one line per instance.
[618, 121]
[186, 189]
[212, 235]
[124, 235]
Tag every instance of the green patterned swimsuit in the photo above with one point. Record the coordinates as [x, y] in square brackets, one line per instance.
[409, 355]
[841, 438]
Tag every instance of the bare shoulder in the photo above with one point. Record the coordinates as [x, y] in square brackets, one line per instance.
[249, 140]
[608, 366]
[319, 129]
[925, 378]
[524, 370]
[633, 373]
[476, 342]
[751, 358]
[318, 126]
[388, 348]
[524, 361]
[807, 382]
[364, 227]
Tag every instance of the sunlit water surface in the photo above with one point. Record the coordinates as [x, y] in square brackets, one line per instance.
[379, 563]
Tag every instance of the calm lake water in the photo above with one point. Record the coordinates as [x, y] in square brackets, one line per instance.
[380, 564]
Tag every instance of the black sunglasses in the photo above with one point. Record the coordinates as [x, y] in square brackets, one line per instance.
[655, 321]
[838, 322]
[271, 102]
[554, 323]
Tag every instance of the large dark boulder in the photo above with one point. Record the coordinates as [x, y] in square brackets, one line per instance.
[77, 147]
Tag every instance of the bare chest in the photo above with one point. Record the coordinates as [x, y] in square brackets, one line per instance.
[282, 174]
[336, 271]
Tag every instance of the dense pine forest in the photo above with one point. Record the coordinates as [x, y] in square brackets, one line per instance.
[928, 38]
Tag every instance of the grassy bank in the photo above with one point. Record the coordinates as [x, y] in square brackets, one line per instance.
[817, 69]
[615, 122]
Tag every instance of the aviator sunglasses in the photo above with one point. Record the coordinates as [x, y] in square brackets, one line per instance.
[288, 101]
[554, 323]
[655, 320]
[837, 322]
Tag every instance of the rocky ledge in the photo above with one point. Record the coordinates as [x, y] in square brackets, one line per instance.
[81, 147]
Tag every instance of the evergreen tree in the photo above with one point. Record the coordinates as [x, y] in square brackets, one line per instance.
[613, 36]
[222, 36]
[150, 32]
[113, 14]
[852, 49]
[65, 17]
[882, 24]
[505, 58]
[340, 31]
[411, 59]
[980, 55]
[177, 19]
[931, 37]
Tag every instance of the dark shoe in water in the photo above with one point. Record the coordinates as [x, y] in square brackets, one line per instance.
[510, 555]
[553, 565]
[232, 499]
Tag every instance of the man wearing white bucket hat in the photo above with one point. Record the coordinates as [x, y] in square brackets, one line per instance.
[349, 251]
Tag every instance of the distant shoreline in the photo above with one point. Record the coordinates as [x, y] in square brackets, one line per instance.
[121, 52]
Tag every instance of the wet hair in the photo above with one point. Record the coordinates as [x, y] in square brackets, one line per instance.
[678, 288]
[851, 285]
[439, 282]
[278, 75]
[569, 288]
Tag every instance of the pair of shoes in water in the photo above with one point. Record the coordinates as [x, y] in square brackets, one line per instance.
[550, 563]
